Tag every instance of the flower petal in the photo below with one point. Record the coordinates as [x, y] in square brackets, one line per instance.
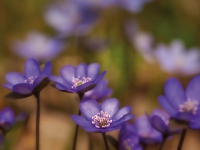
[174, 92]
[85, 87]
[100, 77]
[14, 78]
[81, 71]
[158, 124]
[123, 111]
[89, 108]
[167, 106]
[93, 70]
[32, 68]
[6, 117]
[122, 120]
[102, 130]
[111, 106]
[9, 86]
[81, 121]
[47, 69]
[67, 73]
[195, 124]
[23, 88]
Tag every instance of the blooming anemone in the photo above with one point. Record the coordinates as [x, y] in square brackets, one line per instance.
[99, 92]
[33, 81]
[160, 121]
[182, 105]
[6, 118]
[102, 118]
[146, 133]
[78, 79]
[128, 138]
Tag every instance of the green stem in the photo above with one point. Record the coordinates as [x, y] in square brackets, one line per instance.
[105, 141]
[37, 131]
[181, 139]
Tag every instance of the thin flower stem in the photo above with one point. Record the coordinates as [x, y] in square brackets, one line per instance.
[105, 141]
[182, 139]
[37, 131]
[76, 134]
[163, 142]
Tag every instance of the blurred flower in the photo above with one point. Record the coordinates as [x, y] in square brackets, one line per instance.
[38, 46]
[146, 133]
[176, 59]
[160, 121]
[182, 105]
[78, 79]
[99, 92]
[6, 118]
[128, 139]
[32, 82]
[104, 118]
[71, 17]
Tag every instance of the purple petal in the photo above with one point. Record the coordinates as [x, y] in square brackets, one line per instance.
[102, 130]
[122, 120]
[47, 69]
[167, 107]
[195, 124]
[60, 87]
[93, 70]
[39, 79]
[111, 106]
[67, 73]
[85, 87]
[123, 111]
[7, 116]
[100, 77]
[57, 79]
[23, 88]
[32, 68]
[9, 86]
[159, 124]
[174, 92]
[81, 71]
[14, 78]
[81, 121]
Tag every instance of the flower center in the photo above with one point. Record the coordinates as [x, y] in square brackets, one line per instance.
[30, 80]
[77, 82]
[189, 106]
[101, 120]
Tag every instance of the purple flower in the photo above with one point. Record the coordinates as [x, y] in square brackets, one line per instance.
[182, 105]
[38, 46]
[102, 118]
[7, 118]
[128, 139]
[33, 81]
[78, 79]
[146, 132]
[176, 59]
[160, 121]
[99, 92]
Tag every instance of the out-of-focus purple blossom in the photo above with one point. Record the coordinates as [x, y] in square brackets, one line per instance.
[78, 79]
[102, 118]
[160, 121]
[99, 92]
[71, 17]
[182, 105]
[7, 118]
[176, 59]
[146, 133]
[33, 81]
[133, 5]
[38, 46]
[128, 139]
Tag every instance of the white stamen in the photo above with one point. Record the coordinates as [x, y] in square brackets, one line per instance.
[189, 106]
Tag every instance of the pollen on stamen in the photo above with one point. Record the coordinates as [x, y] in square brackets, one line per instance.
[77, 82]
[190, 106]
[30, 80]
[101, 120]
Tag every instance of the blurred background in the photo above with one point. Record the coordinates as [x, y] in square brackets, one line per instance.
[140, 43]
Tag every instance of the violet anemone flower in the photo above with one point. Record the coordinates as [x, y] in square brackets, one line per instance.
[146, 133]
[160, 121]
[78, 79]
[33, 81]
[99, 92]
[128, 138]
[102, 118]
[182, 105]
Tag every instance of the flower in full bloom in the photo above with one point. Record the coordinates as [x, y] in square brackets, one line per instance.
[175, 59]
[38, 46]
[128, 138]
[160, 121]
[78, 79]
[99, 92]
[182, 105]
[146, 133]
[33, 81]
[102, 118]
